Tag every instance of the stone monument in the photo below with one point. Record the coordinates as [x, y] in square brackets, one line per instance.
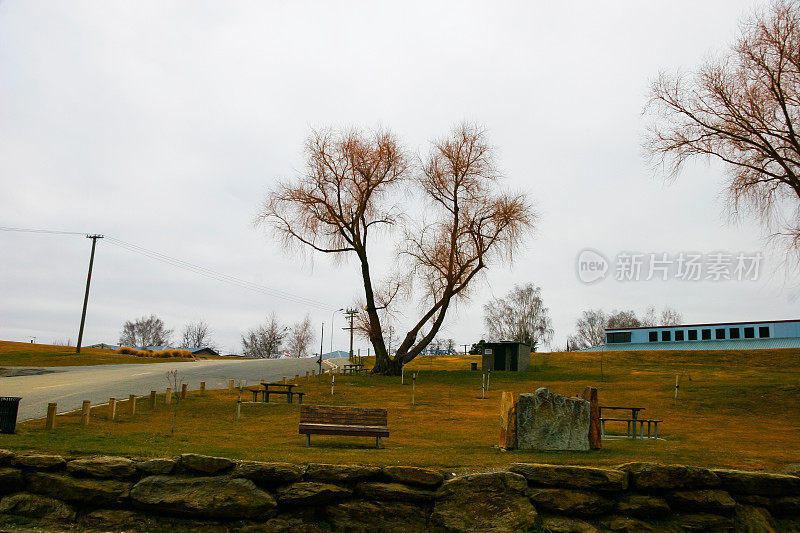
[550, 421]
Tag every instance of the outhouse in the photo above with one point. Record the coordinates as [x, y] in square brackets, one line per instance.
[506, 355]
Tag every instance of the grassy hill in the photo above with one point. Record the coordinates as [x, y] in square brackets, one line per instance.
[28, 354]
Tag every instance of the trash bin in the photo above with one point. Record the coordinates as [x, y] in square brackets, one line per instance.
[473, 365]
[8, 413]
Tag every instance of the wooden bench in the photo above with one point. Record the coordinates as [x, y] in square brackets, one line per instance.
[652, 424]
[341, 420]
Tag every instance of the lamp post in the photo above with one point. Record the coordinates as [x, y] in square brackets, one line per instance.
[341, 309]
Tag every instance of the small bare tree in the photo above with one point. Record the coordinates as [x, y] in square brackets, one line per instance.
[520, 316]
[741, 108]
[175, 381]
[196, 335]
[591, 330]
[300, 337]
[145, 331]
[266, 340]
[349, 192]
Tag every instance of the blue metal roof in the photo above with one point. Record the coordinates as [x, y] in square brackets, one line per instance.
[729, 344]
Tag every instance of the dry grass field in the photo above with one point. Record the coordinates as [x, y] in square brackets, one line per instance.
[735, 409]
[27, 354]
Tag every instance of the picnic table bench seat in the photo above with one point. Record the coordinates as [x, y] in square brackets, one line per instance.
[652, 424]
[343, 420]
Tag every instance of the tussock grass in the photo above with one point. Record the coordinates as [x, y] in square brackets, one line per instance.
[27, 354]
[735, 409]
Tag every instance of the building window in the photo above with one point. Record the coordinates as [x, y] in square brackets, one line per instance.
[692, 334]
[653, 336]
[706, 334]
[763, 332]
[720, 333]
[679, 335]
[749, 333]
[618, 337]
[666, 336]
[734, 333]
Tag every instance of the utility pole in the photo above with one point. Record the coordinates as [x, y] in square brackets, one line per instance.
[319, 362]
[86, 296]
[465, 349]
[351, 315]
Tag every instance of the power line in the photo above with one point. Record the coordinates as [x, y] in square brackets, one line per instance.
[197, 269]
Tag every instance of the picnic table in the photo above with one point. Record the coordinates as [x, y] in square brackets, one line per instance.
[631, 422]
[283, 389]
[353, 368]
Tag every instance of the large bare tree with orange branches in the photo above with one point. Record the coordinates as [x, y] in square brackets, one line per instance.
[354, 186]
[742, 108]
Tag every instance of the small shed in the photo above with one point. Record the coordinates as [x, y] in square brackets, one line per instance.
[506, 355]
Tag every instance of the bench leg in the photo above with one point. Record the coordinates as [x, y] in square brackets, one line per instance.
[602, 429]
[308, 439]
[300, 399]
[289, 398]
[378, 442]
[255, 396]
[656, 429]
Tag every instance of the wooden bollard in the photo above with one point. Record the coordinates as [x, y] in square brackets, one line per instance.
[263, 381]
[112, 408]
[132, 404]
[333, 382]
[283, 379]
[313, 373]
[86, 409]
[297, 377]
[168, 396]
[50, 423]
[231, 385]
[184, 388]
[202, 387]
[307, 374]
[153, 400]
[239, 406]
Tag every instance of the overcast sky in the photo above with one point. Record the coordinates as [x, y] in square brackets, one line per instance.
[163, 124]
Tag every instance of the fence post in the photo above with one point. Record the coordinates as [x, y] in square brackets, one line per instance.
[168, 396]
[414, 388]
[333, 382]
[51, 416]
[231, 385]
[132, 403]
[202, 387]
[112, 408]
[184, 388]
[153, 400]
[86, 408]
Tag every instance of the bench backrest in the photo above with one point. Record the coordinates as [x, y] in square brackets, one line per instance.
[343, 415]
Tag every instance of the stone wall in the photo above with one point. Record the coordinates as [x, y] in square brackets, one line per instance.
[195, 492]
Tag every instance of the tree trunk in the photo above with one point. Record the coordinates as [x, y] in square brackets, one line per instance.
[388, 366]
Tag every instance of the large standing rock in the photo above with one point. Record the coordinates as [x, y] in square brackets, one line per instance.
[212, 497]
[549, 421]
[102, 467]
[577, 477]
[392, 517]
[489, 502]
[11, 480]
[412, 475]
[311, 493]
[35, 506]
[393, 492]
[205, 463]
[269, 473]
[341, 473]
[95, 492]
[39, 462]
[654, 476]
[570, 502]
[761, 483]
[749, 519]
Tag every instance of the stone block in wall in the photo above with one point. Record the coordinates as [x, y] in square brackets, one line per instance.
[761, 483]
[550, 421]
[95, 492]
[393, 492]
[750, 519]
[570, 501]
[654, 476]
[785, 505]
[11, 480]
[413, 475]
[625, 524]
[341, 473]
[391, 517]
[268, 473]
[706, 500]
[157, 467]
[560, 524]
[39, 461]
[704, 522]
[312, 493]
[210, 497]
[205, 464]
[495, 501]
[36, 506]
[102, 467]
[5, 457]
[643, 506]
[576, 477]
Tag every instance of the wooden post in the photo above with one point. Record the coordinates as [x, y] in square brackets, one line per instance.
[307, 375]
[595, 438]
[239, 406]
[50, 423]
[283, 379]
[86, 409]
[240, 394]
[184, 388]
[402, 375]
[264, 381]
[508, 421]
[168, 396]
[333, 382]
[112, 408]
[483, 386]
[313, 373]
[132, 404]
[231, 385]
[153, 400]
[677, 386]
[414, 388]
[202, 387]
[488, 377]
[296, 378]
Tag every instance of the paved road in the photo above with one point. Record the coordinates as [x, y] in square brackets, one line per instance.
[70, 385]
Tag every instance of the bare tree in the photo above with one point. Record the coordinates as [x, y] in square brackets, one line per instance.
[520, 316]
[346, 196]
[175, 381]
[196, 335]
[145, 331]
[741, 108]
[300, 337]
[264, 341]
[671, 317]
[623, 319]
[591, 330]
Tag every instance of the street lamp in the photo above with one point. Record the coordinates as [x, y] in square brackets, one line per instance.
[342, 309]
